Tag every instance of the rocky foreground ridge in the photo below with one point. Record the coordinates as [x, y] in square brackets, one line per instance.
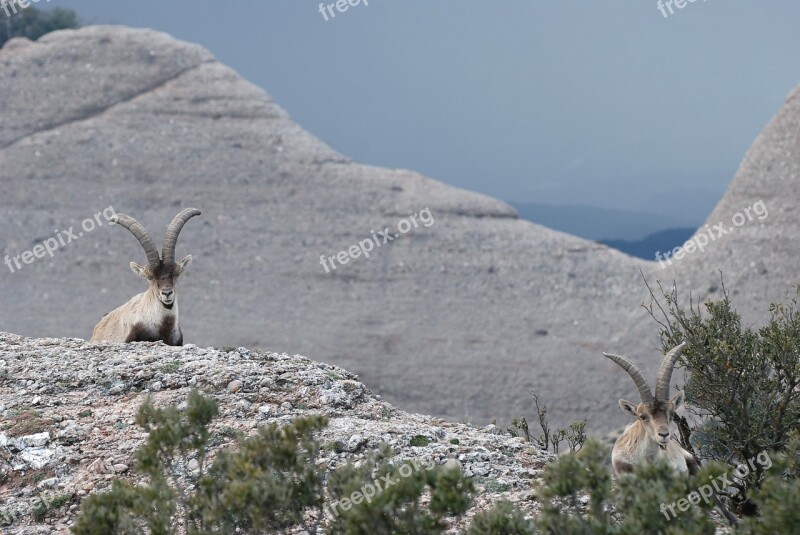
[67, 410]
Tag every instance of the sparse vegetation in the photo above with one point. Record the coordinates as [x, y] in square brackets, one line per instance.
[579, 497]
[39, 511]
[420, 440]
[60, 500]
[45, 505]
[744, 383]
[24, 421]
[549, 440]
[33, 23]
[171, 367]
[492, 485]
[502, 519]
[269, 483]
[396, 507]
[578, 494]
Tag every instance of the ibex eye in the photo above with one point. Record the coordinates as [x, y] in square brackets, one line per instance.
[643, 417]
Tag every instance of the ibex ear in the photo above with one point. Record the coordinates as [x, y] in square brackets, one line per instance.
[139, 270]
[677, 399]
[627, 406]
[183, 264]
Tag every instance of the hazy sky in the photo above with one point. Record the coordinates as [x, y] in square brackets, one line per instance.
[604, 103]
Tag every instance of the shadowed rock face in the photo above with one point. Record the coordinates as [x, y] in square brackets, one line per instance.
[459, 319]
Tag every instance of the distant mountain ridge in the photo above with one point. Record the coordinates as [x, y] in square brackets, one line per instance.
[662, 242]
[599, 224]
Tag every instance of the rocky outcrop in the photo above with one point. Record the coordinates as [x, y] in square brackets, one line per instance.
[67, 409]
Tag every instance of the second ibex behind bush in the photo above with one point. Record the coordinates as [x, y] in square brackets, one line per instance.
[648, 438]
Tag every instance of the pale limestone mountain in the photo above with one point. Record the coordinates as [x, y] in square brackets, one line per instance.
[460, 318]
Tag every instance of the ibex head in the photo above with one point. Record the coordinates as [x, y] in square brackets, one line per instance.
[161, 272]
[654, 412]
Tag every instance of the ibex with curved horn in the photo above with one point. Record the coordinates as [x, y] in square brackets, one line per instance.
[151, 316]
[648, 438]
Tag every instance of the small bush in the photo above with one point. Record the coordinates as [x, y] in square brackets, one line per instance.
[492, 485]
[778, 500]
[171, 367]
[502, 519]
[743, 383]
[33, 23]
[420, 440]
[386, 500]
[549, 440]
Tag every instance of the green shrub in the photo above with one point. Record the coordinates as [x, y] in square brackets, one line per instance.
[269, 483]
[420, 440]
[266, 485]
[644, 501]
[744, 383]
[778, 500]
[502, 519]
[33, 23]
[641, 499]
[385, 500]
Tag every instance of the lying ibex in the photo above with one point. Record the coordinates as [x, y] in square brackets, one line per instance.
[151, 316]
[648, 438]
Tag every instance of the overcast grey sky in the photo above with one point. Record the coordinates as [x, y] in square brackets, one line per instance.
[605, 103]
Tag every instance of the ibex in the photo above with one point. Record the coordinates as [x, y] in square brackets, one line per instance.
[648, 438]
[151, 316]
